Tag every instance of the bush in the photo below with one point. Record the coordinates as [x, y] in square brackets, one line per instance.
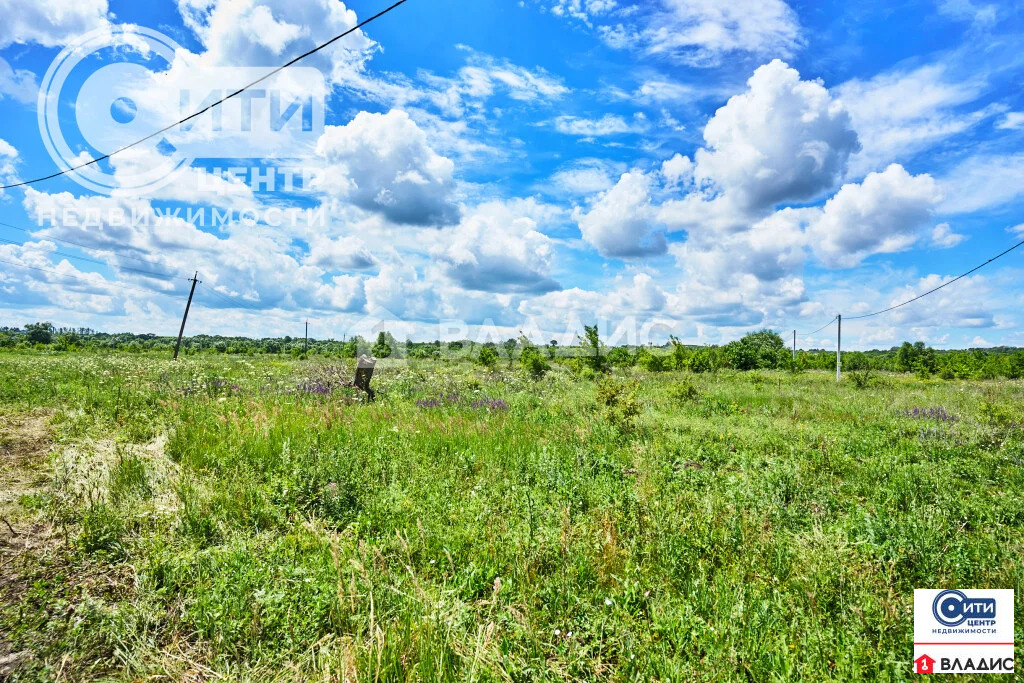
[702, 361]
[619, 403]
[488, 356]
[648, 361]
[860, 369]
[1015, 366]
[683, 391]
[680, 357]
[619, 357]
[532, 361]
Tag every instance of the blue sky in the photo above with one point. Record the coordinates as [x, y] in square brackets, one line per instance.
[672, 167]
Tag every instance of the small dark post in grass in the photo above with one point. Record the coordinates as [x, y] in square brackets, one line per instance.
[364, 372]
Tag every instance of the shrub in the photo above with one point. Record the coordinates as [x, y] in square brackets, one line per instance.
[702, 361]
[680, 357]
[488, 356]
[532, 361]
[619, 357]
[683, 391]
[619, 403]
[648, 361]
[1015, 366]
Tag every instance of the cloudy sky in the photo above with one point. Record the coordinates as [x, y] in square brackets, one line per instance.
[675, 166]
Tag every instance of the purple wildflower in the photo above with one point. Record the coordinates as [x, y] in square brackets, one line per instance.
[490, 404]
[429, 403]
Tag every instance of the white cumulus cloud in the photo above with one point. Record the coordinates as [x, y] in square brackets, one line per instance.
[702, 32]
[883, 214]
[784, 139]
[943, 236]
[622, 222]
[498, 248]
[50, 23]
[383, 163]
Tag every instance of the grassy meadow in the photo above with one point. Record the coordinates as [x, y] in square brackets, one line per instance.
[250, 518]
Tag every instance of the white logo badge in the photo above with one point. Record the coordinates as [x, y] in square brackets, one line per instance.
[963, 631]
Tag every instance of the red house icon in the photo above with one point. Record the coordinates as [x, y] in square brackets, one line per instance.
[925, 664]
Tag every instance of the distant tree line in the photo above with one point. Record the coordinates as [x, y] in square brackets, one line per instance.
[761, 350]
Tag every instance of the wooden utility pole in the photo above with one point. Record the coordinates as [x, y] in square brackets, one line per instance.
[794, 344]
[839, 345]
[185, 317]
[305, 346]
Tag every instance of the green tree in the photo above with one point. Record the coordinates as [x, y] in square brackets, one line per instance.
[763, 350]
[39, 333]
[680, 357]
[590, 343]
[382, 349]
[488, 355]
[510, 349]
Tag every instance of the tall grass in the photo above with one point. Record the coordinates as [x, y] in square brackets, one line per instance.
[474, 525]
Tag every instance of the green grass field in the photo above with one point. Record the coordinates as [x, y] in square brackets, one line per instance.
[245, 518]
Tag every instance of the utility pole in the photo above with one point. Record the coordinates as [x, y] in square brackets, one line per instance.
[305, 346]
[839, 345]
[185, 317]
[794, 344]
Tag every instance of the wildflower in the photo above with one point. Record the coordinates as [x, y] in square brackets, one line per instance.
[557, 632]
[607, 602]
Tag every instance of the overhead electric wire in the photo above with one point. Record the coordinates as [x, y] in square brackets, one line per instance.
[231, 300]
[78, 277]
[85, 246]
[805, 334]
[935, 289]
[210, 106]
[97, 261]
[234, 301]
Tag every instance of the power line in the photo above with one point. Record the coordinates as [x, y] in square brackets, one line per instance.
[806, 334]
[234, 301]
[210, 106]
[76, 277]
[231, 300]
[97, 261]
[85, 246]
[944, 284]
